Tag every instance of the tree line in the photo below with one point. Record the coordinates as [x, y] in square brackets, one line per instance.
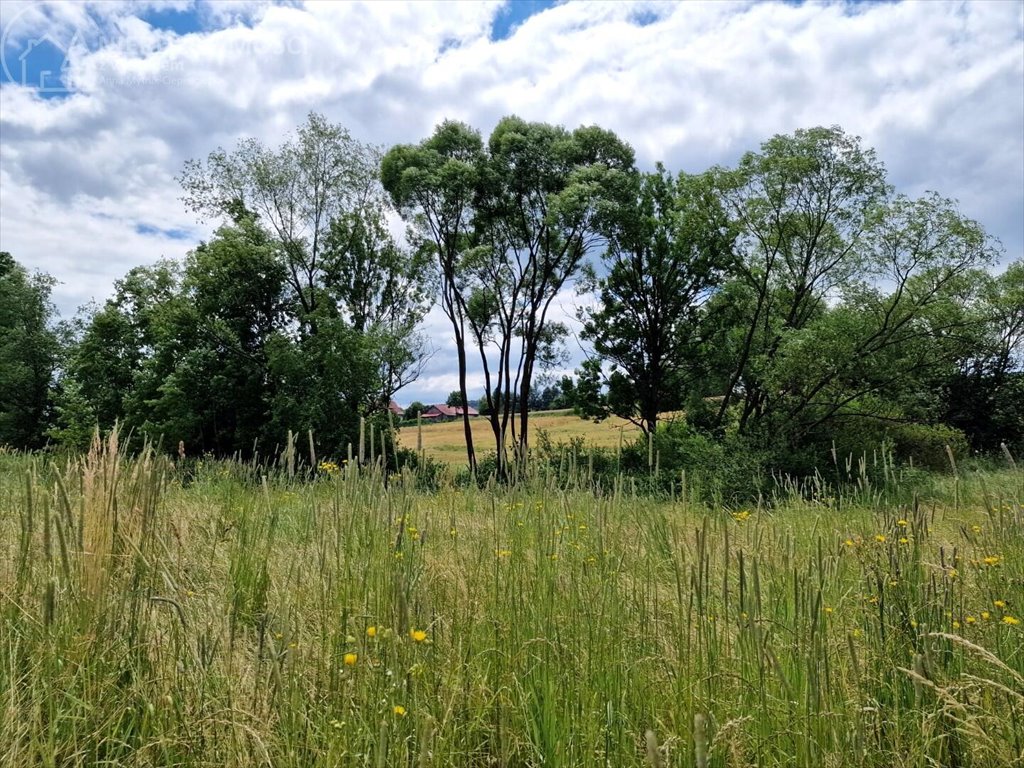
[794, 304]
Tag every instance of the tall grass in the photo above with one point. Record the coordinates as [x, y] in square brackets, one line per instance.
[225, 619]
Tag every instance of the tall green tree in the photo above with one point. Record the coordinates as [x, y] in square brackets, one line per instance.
[29, 354]
[319, 204]
[115, 341]
[298, 192]
[435, 185]
[882, 349]
[543, 197]
[984, 396]
[216, 392]
[668, 250]
[801, 205]
[383, 291]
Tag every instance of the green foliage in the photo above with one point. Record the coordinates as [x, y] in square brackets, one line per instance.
[29, 355]
[510, 225]
[414, 409]
[669, 248]
[731, 471]
[784, 312]
[434, 185]
[984, 396]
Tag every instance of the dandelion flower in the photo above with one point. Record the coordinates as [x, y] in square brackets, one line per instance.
[991, 560]
[976, 528]
[956, 624]
[986, 615]
[371, 631]
[1011, 621]
[901, 523]
[350, 659]
[970, 619]
[399, 710]
[999, 603]
[418, 635]
[880, 537]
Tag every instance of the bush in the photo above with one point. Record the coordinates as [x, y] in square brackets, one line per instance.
[429, 472]
[730, 470]
[925, 445]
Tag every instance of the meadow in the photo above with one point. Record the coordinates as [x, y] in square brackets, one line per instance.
[207, 615]
[445, 441]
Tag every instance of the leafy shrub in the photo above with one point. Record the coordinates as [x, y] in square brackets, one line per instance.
[727, 470]
[925, 445]
[429, 472]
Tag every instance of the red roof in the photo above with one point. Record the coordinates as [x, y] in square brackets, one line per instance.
[450, 411]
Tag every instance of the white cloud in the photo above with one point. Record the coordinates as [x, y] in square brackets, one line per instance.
[937, 88]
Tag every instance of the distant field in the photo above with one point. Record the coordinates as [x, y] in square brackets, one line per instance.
[445, 441]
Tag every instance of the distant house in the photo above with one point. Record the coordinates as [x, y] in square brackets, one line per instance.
[440, 412]
[396, 409]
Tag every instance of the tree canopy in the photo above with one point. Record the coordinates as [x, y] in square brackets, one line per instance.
[793, 305]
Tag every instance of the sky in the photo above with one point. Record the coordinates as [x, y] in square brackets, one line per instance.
[101, 103]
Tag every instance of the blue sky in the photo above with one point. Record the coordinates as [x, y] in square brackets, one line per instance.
[97, 118]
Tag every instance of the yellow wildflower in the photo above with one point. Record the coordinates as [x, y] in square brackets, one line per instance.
[350, 659]
[986, 615]
[976, 528]
[399, 710]
[999, 603]
[970, 619]
[1010, 620]
[904, 540]
[901, 523]
[956, 624]
[991, 560]
[418, 635]
[880, 537]
[371, 631]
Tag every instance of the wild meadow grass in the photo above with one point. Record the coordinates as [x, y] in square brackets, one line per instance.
[152, 617]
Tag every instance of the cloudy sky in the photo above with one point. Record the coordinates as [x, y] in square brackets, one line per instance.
[101, 103]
